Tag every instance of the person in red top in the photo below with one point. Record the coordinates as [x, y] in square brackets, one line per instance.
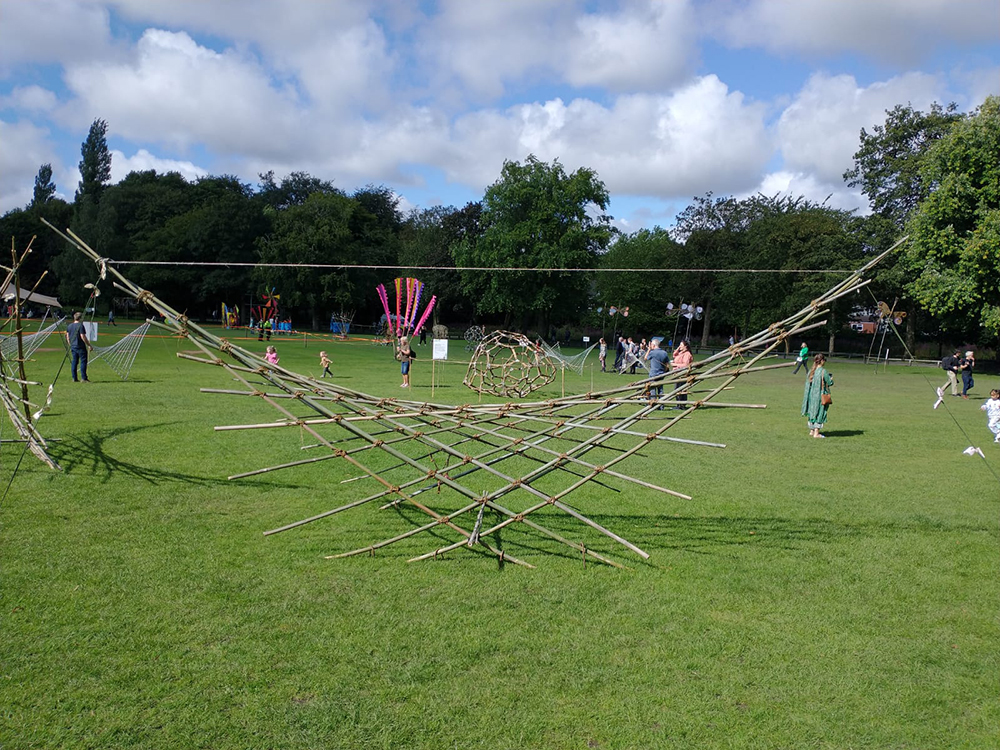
[681, 361]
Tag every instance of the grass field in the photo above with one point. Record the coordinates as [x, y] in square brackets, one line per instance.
[838, 593]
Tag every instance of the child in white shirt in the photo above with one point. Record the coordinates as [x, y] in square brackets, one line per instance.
[992, 409]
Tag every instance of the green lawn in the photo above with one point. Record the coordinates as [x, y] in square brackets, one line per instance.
[840, 593]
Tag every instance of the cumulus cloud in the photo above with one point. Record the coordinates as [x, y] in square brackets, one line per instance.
[177, 92]
[684, 143]
[646, 46]
[52, 31]
[835, 195]
[25, 148]
[894, 31]
[30, 99]
[820, 130]
[142, 161]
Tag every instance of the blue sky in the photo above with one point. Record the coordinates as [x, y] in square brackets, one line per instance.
[665, 99]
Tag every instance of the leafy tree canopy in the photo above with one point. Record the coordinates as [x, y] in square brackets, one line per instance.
[537, 216]
[955, 231]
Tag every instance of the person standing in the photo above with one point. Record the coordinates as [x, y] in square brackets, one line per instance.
[405, 355]
[325, 362]
[658, 360]
[952, 365]
[111, 317]
[802, 359]
[602, 355]
[79, 345]
[967, 365]
[619, 353]
[816, 398]
[681, 361]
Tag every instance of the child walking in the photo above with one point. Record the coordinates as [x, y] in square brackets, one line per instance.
[271, 355]
[992, 409]
[324, 362]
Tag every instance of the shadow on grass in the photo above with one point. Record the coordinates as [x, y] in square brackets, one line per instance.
[843, 433]
[85, 453]
[713, 535]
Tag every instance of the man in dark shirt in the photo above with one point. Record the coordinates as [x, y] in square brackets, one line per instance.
[79, 345]
[952, 365]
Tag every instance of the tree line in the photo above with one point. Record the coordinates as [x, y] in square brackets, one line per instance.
[934, 176]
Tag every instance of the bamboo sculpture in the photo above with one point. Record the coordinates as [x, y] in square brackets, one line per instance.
[507, 364]
[21, 411]
[491, 465]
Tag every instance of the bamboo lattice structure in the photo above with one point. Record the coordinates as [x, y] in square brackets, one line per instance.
[507, 364]
[475, 469]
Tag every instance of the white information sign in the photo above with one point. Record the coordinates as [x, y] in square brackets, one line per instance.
[440, 349]
[586, 339]
[91, 330]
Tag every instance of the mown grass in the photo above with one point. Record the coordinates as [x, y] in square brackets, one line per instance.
[828, 594]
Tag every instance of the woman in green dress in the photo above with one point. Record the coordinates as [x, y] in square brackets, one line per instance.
[818, 385]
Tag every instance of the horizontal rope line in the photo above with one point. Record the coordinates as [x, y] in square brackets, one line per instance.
[348, 266]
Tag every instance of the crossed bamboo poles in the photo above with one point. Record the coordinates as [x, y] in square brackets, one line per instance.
[23, 414]
[483, 448]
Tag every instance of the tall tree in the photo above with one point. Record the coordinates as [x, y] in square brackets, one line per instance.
[887, 164]
[887, 169]
[95, 164]
[44, 187]
[537, 216]
[955, 231]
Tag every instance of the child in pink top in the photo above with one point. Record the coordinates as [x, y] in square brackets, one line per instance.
[271, 355]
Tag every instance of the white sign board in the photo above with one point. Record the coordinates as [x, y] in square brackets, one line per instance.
[440, 349]
[90, 329]
[586, 339]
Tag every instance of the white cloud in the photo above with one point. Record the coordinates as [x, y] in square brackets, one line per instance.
[143, 161]
[795, 184]
[30, 99]
[644, 47]
[47, 31]
[894, 31]
[699, 138]
[25, 149]
[177, 92]
[820, 130]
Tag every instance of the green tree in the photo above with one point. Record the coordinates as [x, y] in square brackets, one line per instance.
[426, 240]
[954, 232]
[44, 187]
[536, 216]
[95, 164]
[214, 220]
[887, 164]
[293, 190]
[887, 170]
[329, 228]
[645, 294]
